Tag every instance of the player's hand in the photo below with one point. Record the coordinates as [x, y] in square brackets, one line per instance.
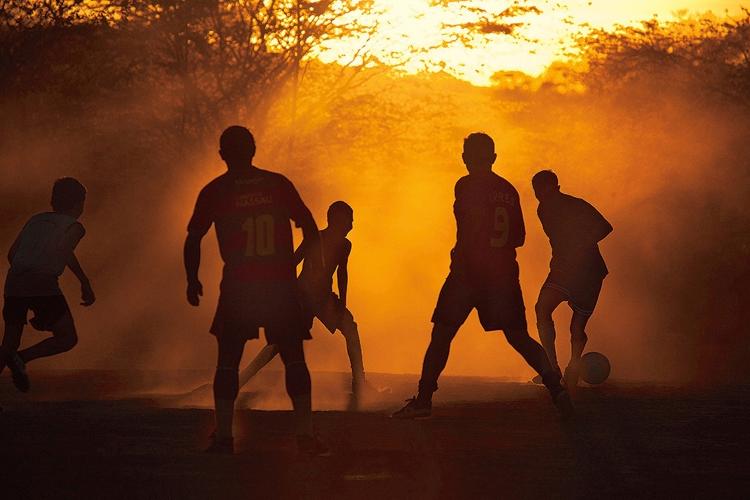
[87, 294]
[194, 292]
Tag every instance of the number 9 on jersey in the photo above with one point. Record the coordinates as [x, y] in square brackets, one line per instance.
[501, 228]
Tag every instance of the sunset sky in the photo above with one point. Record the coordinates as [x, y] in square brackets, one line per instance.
[410, 32]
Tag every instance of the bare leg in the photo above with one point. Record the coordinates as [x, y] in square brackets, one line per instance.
[298, 385]
[264, 357]
[531, 351]
[549, 299]
[353, 348]
[578, 337]
[226, 383]
[64, 338]
[435, 359]
[11, 341]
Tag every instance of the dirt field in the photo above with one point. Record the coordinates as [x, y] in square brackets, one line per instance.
[120, 435]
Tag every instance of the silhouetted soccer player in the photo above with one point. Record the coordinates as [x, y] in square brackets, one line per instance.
[319, 300]
[41, 252]
[483, 275]
[251, 210]
[577, 268]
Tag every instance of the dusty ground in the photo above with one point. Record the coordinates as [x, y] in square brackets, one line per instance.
[120, 435]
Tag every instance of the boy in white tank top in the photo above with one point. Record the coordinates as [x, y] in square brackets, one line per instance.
[41, 252]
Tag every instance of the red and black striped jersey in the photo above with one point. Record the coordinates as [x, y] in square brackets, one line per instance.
[251, 210]
[489, 225]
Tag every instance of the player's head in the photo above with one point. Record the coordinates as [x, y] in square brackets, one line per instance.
[340, 217]
[68, 196]
[237, 147]
[545, 184]
[479, 152]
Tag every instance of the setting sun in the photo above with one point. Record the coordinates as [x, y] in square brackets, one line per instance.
[427, 35]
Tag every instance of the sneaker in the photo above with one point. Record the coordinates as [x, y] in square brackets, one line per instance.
[18, 371]
[312, 446]
[414, 408]
[220, 446]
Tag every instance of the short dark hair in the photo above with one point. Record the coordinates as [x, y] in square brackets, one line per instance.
[339, 207]
[545, 178]
[237, 139]
[479, 143]
[67, 192]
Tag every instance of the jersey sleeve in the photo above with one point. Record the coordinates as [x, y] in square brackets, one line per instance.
[457, 197]
[518, 228]
[297, 209]
[595, 226]
[203, 214]
[74, 235]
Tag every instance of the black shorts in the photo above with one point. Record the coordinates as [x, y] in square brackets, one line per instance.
[499, 303]
[581, 292]
[48, 311]
[243, 309]
[330, 310]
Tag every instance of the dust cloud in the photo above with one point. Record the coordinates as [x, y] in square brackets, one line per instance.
[665, 167]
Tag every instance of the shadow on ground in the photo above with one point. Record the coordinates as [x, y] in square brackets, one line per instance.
[118, 435]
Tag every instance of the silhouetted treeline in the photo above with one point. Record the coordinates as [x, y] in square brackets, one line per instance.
[197, 64]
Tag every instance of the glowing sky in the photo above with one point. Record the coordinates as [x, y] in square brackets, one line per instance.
[406, 25]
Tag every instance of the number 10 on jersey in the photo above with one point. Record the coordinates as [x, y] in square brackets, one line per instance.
[260, 236]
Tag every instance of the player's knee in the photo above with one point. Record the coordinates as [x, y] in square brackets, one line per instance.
[226, 383]
[297, 379]
[517, 338]
[543, 312]
[349, 329]
[291, 353]
[442, 335]
[70, 341]
[68, 338]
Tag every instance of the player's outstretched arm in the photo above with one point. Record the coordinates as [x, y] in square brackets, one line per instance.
[87, 293]
[192, 256]
[303, 219]
[72, 237]
[200, 223]
[342, 273]
[310, 233]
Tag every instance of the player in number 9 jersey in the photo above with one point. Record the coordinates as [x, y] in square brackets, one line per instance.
[483, 275]
[489, 229]
[251, 210]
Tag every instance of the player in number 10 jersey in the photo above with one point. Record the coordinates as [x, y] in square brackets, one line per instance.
[251, 210]
[483, 275]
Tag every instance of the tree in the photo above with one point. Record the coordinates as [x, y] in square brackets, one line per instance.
[702, 53]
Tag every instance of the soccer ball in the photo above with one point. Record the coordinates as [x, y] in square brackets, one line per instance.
[595, 368]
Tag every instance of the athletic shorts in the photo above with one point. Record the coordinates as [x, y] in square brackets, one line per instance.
[582, 293]
[48, 311]
[330, 310]
[244, 308]
[499, 304]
